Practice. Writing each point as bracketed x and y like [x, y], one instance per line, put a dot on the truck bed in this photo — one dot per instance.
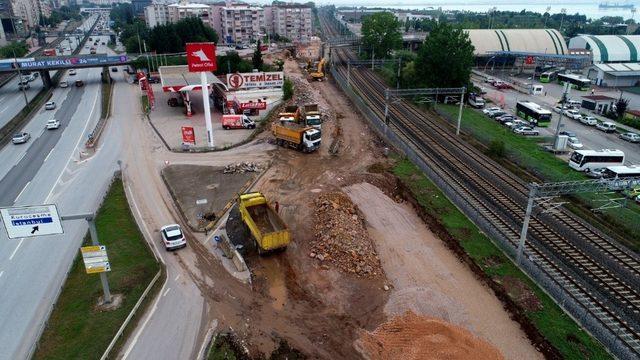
[266, 220]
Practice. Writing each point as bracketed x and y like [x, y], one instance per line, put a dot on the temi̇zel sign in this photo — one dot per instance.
[95, 259]
[201, 57]
[255, 79]
[29, 221]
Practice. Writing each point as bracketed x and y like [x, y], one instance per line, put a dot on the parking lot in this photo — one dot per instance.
[589, 136]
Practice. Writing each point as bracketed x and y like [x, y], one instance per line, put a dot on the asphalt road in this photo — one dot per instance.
[590, 137]
[47, 170]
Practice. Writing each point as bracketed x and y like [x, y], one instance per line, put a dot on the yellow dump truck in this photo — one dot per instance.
[300, 137]
[266, 227]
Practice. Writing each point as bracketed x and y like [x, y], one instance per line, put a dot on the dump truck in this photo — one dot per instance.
[267, 228]
[300, 137]
[312, 116]
[291, 113]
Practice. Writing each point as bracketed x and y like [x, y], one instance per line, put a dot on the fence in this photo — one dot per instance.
[543, 277]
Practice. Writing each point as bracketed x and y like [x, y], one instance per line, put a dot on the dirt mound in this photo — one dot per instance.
[411, 337]
[342, 238]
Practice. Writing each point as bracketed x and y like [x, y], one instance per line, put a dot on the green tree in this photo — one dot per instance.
[446, 58]
[287, 89]
[257, 58]
[16, 48]
[381, 33]
[621, 107]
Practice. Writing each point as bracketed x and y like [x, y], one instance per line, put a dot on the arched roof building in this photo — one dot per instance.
[540, 41]
[609, 48]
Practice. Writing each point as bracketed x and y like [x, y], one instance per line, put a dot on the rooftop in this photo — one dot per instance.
[598, 97]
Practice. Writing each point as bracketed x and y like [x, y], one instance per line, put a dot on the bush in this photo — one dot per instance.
[287, 89]
[496, 149]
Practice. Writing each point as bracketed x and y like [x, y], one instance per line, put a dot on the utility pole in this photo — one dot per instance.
[464, 90]
[398, 76]
[525, 224]
[564, 12]
[562, 102]
[24, 91]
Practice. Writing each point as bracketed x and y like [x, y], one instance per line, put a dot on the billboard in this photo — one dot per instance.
[70, 62]
[201, 57]
[255, 80]
[188, 135]
[259, 105]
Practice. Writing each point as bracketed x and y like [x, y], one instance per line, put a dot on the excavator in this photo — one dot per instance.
[318, 75]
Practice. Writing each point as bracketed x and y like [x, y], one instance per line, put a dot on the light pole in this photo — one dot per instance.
[548, 16]
[633, 13]
[22, 84]
[564, 12]
[492, 12]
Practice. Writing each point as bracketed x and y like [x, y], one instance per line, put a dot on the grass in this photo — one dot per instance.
[558, 328]
[144, 101]
[527, 153]
[106, 99]
[76, 329]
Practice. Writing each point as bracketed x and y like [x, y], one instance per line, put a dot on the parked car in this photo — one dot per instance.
[63, 84]
[560, 108]
[588, 120]
[486, 111]
[50, 105]
[505, 118]
[574, 143]
[517, 123]
[495, 114]
[574, 103]
[572, 114]
[595, 173]
[20, 138]
[606, 126]
[53, 124]
[526, 130]
[72, 72]
[172, 237]
[567, 133]
[153, 80]
[630, 137]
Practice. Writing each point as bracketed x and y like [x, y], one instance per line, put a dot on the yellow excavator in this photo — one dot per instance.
[318, 75]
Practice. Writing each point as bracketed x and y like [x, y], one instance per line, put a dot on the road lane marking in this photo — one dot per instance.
[144, 224]
[21, 191]
[1, 273]
[21, 157]
[74, 148]
[47, 157]
[5, 109]
[166, 292]
[16, 249]
[177, 277]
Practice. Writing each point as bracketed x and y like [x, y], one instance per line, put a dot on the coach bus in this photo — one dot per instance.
[533, 113]
[583, 160]
[621, 172]
[576, 81]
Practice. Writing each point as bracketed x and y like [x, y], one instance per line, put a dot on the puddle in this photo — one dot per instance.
[275, 282]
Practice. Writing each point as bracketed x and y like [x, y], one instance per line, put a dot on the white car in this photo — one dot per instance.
[491, 109]
[526, 130]
[20, 138]
[63, 84]
[50, 105]
[589, 120]
[172, 237]
[572, 114]
[72, 72]
[574, 143]
[53, 124]
[630, 137]
[606, 127]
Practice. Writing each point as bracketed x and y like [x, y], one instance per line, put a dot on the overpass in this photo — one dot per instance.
[63, 62]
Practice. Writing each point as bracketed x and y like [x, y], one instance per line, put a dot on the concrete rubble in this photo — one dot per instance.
[341, 238]
[243, 167]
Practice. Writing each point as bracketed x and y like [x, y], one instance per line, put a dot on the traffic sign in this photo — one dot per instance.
[29, 221]
[95, 259]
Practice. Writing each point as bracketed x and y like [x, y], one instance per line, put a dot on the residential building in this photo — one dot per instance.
[293, 21]
[183, 10]
[139, 6]
[45, 8]
[242, 24]
[156, 14]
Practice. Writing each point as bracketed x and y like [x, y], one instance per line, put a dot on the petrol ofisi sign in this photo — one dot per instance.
[201, 57]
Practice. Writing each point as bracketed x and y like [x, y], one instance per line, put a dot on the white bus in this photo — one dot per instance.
[583, 160]
[621, 172]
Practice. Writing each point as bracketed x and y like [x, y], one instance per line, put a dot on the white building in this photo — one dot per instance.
[156, 14]
[162, 14]
[293, 21]
[241, 24]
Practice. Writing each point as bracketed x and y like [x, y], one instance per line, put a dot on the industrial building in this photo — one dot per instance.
[614, 57]
[536, 41]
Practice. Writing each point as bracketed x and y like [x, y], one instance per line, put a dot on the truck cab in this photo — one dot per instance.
[312, 116]
[312, 138]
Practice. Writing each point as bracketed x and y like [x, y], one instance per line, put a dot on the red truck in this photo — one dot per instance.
[237, 122]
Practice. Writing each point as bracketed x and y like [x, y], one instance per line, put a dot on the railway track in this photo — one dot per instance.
[593, 269]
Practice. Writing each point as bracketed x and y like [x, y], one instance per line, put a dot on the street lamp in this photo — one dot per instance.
[633, 13]
[491, 12]
[564, 12]
[548, 16]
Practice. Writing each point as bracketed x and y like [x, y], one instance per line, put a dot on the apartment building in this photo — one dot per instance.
[239, 22]
[293, 21]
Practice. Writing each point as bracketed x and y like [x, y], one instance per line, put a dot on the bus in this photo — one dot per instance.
[540, 69]
[584, 160]
[621, 172]
[534, 113]
[577, 82]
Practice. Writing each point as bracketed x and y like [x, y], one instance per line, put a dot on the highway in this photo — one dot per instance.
[47, 170]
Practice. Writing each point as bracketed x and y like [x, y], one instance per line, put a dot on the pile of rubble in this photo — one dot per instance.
[341, 237]
[305, 95]
[243, 167]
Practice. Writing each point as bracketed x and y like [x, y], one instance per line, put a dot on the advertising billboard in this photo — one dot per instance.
[255, 80]
[201, 57]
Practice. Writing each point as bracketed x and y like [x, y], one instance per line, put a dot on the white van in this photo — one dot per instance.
[606, 126]
[536, 90]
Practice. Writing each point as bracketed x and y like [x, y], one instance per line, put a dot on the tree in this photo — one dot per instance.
[621, 107]
[381, 33]
[257, 58]
[446, 58]
[287, 89]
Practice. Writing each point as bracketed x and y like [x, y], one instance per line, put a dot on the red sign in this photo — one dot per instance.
[188, 135]
[529, 60]
[236, 80]
[201, 57]
[254, 105]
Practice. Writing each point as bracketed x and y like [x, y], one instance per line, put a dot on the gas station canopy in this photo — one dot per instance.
[178, 79]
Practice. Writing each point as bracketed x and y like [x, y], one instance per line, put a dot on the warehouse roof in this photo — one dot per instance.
[547, 41]
[620, 69]
[609, 48]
